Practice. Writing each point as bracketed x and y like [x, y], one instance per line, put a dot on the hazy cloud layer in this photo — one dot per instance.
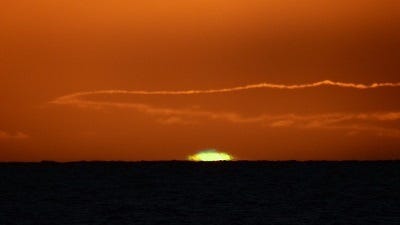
[13, 136]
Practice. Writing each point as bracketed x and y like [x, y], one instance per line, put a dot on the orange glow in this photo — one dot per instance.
[150, 80]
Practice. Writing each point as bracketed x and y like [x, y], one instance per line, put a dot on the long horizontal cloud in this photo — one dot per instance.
[74, 97]
[355, 122]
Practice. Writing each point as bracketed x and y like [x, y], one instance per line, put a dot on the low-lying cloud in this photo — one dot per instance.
[351, 122]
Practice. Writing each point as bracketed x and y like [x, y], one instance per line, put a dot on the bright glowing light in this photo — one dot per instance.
[210, 155]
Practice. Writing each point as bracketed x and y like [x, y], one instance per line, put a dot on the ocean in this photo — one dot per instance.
[179, 192]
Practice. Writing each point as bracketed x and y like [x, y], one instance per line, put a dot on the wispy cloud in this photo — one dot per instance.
[351, 122]
[75, 97]
[13, 136]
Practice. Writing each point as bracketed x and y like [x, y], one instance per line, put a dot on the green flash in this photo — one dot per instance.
[210, 156]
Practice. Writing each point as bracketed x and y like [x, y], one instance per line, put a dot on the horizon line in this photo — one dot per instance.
[194, 162]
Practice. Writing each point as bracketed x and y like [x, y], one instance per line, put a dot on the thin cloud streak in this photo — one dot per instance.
[74, 97]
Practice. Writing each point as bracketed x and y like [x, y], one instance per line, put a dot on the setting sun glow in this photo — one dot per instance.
[210, 155]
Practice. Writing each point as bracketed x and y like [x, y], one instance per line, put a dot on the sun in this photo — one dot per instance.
[210, 155]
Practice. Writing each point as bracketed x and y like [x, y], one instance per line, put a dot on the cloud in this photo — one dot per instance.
[75, 97]
[175, 120]
[16, 136]
[351, 122]
[282, 123]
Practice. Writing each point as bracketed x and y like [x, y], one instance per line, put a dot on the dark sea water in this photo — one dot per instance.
[200, 193]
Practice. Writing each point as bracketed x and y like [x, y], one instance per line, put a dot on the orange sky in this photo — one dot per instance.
[151, 53]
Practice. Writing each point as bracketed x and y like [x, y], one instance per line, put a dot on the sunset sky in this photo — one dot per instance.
[161, 80]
